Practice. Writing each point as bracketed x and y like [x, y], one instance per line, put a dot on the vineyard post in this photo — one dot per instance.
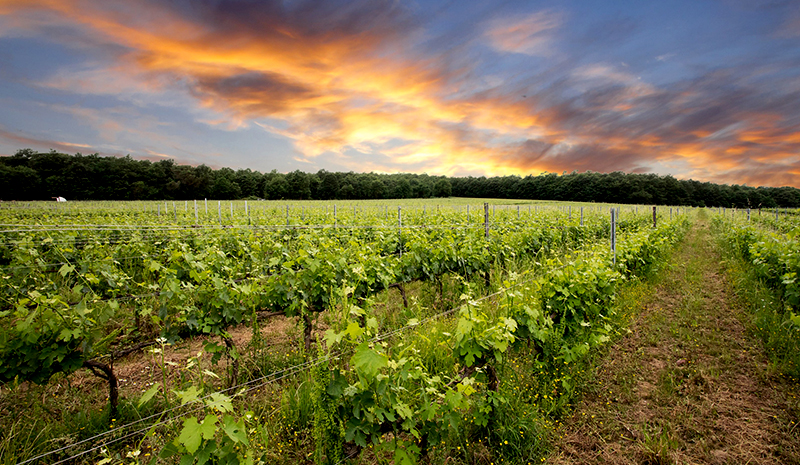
[776, 213]
[517, 211]
[486, 220]
[581, 216]
[287, 214]
[670, 213]
[206, 203]
[569, 213]
[493, 208]
[231, 212]
[748, 214]
[654, 217]
[219, 210]
[614, 236]
[247, 211]
[195, 212]
[400, 228]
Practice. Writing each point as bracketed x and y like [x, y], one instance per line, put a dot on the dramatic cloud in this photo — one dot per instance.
[376, 85]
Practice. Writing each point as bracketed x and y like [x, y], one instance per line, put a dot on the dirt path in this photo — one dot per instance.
[687, 385]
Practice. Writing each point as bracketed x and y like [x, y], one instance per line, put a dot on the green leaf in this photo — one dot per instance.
[402, 457]
[235, 430]
[219, 402]
[148, 395]
[337, 385]
[65, 270]
[190, 436]
[354, 331]
[189, 395]
[368, 362]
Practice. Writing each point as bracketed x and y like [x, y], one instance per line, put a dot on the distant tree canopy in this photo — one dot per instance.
[28, 175]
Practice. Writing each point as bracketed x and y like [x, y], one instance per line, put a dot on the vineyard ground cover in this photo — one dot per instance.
[71, 394]
[690, 383]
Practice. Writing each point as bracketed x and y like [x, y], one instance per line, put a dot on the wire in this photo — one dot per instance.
[284, 374]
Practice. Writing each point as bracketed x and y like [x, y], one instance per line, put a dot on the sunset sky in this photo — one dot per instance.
[708, 90]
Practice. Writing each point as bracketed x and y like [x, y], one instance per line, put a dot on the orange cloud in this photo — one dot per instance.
[348, 79]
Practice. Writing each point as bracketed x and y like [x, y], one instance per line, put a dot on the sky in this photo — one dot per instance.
[704, 90]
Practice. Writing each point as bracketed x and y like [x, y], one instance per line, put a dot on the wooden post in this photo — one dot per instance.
[655, 224]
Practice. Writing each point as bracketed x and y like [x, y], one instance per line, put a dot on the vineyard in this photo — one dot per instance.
[313, 332]
[769, 244]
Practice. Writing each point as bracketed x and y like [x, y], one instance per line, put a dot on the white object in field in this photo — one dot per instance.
[60, 199]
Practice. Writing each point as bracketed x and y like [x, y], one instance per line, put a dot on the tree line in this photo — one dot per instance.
[30, 175]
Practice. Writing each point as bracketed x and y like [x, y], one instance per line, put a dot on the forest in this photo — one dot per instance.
[31, 175]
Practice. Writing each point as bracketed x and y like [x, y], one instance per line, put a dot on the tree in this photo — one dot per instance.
[276, 187]
[442, 188]
[299, 185]
[402, 190]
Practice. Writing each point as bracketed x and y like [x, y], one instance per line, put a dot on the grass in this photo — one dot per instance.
[687, 385]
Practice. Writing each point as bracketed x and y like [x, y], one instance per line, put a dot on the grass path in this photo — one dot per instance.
[688, 384]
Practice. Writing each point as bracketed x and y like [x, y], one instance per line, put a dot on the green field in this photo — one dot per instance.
[435, 331]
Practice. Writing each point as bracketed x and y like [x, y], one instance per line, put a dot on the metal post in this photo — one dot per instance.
[400, 228]
[486, 220]
[219, 210]
[581, 216]
[614, 236]
[195, 211]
